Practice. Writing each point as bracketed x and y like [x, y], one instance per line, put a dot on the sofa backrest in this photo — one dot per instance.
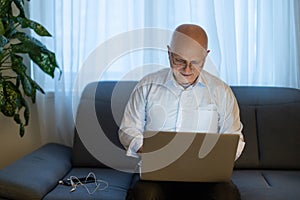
[270, 117]
[108, 101]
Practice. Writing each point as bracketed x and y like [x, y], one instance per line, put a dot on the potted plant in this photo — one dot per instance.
[16, 46]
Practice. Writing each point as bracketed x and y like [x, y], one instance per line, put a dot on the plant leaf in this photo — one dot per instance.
[29, 85]
[2, 98]
[18, 121]
[28, 40]
[17, 64]
[18, 82]
[26, 111]
[44, 58]
[17, 118]
[9, 26]
[27, 23]
[25, 48]
[2, 29]
[3, 41]
[38, 52]
[22, 130]
[46, 61]
[5, 7]
[28, 90]
[34, 84]
[11, 100]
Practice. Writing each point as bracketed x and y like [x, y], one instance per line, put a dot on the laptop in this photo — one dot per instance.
[186, 156]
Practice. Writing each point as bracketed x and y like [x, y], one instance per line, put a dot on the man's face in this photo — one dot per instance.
[186, 60]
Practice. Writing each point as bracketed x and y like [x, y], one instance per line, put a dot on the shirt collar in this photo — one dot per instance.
[170, 80]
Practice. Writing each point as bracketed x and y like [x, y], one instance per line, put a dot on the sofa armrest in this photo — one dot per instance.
[34, 175]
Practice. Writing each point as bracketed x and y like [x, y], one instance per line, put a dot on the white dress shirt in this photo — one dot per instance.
[158, 102]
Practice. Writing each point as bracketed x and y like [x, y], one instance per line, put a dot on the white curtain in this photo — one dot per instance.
[252, 42]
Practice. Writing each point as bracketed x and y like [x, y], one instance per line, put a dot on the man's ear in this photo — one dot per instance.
[169, 50]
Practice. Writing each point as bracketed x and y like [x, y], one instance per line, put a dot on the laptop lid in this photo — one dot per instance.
[186, 156]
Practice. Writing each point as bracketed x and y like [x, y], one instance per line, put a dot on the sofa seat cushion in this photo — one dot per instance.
[267, 184]
[32, 176]
[118, 184]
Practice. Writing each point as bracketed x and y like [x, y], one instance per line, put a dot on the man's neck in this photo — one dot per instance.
[186, 85]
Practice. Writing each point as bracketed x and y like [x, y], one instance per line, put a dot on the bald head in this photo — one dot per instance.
[193, 32]
[187, 53]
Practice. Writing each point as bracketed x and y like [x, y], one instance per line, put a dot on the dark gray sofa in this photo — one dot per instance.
[269, 167]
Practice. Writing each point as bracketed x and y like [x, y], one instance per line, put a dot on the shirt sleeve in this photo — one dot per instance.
[133, 122]
[230, 118]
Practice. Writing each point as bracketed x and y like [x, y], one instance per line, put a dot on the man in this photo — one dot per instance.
[182, 98]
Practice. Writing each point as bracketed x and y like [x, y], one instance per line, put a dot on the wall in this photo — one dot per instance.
[12, 146]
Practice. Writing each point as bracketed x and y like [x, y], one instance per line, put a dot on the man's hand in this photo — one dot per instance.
[140, 150]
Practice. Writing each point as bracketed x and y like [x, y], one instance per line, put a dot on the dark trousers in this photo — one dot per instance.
[157, 190]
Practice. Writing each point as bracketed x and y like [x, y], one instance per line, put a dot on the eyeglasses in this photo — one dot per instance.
[180, 63]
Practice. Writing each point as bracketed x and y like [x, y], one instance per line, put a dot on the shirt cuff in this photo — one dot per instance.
[240, 149]
[134, 146]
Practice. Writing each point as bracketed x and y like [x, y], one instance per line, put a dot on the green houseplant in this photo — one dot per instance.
[15, 45]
